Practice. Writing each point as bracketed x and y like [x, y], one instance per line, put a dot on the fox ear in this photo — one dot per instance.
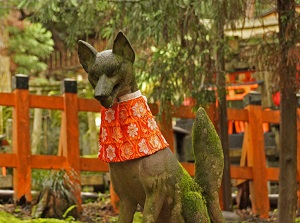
[123, 48]
[86, 53]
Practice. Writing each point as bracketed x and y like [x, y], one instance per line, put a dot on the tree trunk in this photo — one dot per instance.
[287, 203]
[37, 128]
[222, 111]
[93, 134]
[5, 75]
[250, 10]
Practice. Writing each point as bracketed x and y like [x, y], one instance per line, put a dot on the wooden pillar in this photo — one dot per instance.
[298, 155]
[70, 134]
[114, 199]
[166, 127]
[256, 158]
[21, 139]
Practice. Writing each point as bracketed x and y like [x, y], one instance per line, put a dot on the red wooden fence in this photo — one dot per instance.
[253, 160]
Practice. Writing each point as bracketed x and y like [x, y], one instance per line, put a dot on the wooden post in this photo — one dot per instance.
[166, 127]
[298, 155]
[70, 134]
[21, 139]
[256, 159]
[114, 199]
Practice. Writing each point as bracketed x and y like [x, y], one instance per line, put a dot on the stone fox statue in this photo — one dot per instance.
[143, 169]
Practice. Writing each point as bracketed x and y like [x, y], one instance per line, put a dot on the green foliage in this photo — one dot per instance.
[30, 47]
[182, 65]
[6, 217]
[66, 215]
[38, 178]
[183, 34]
[72, 18]
[7, 114]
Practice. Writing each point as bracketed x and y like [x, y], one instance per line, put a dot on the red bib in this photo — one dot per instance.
[128, 130]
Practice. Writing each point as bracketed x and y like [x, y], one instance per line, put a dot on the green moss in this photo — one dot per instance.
[194, 208]
[186, 183]
[193, 203]
[6, 217]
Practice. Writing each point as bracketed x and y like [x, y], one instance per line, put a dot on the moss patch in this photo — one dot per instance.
[193, 203]
[6, 217]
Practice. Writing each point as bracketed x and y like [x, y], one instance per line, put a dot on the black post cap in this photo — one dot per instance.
[253, 98]
[68, 86]
[20, 81]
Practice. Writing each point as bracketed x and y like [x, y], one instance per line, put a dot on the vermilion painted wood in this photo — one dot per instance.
[190, 168]
[71, 131]
[165, 125]
[8, 160]
[46, 102]
[243, 159]
[93, 164]
[271, 116]
[237, 114]
[7, 99]
[256, 159]
[21, 145]
[154, 108]
[272, 174]
[48, 162]
[70, 144]
[238, 172]
[88, 105]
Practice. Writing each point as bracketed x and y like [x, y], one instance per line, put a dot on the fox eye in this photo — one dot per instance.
[93, 78]
[110, 72]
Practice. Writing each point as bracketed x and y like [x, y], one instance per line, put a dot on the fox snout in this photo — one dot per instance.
[103, 87]
[106, 91]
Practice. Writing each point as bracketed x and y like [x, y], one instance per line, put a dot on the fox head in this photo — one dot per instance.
[110, 72]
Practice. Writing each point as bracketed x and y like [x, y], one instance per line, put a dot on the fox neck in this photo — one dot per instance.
[130, 88]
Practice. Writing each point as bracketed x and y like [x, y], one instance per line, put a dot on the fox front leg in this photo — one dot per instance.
[127, 210]
[155, 197]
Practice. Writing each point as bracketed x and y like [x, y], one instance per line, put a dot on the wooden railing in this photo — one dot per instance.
[252, 165]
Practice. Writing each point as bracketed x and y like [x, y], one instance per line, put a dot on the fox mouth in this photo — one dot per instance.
[108, 101]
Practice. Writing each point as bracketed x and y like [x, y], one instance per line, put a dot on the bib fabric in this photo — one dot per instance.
[128, 130]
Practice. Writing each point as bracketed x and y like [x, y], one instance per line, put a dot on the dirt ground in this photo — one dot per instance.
[102, 212]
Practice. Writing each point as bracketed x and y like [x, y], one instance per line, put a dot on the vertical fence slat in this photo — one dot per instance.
[21, 139]
[166, 127]
[70, 133]
[256, 159]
